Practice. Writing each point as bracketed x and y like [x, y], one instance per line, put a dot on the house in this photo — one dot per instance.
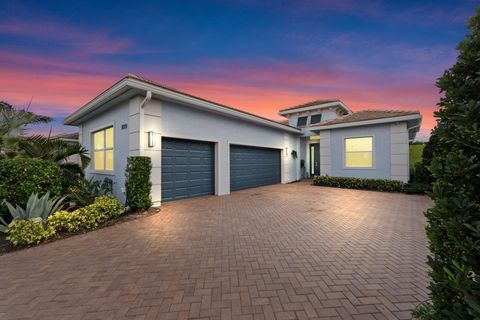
[199, 147]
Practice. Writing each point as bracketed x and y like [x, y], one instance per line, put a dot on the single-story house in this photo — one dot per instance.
[199, 147]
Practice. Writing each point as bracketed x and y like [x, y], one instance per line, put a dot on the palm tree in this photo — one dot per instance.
[12, 126]
[54, 149]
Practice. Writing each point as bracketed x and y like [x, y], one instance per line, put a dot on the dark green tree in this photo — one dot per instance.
[453, 228]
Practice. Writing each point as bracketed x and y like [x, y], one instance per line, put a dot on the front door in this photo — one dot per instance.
[315, 159]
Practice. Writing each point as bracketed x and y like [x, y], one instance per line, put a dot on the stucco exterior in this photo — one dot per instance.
[174, 120]
[115, 117]
[137, 108]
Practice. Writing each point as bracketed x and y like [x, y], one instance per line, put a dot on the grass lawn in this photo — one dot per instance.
[415, 154]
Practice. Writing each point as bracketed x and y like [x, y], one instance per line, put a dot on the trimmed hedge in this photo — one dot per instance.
[138, 185]
[360, 183]
[20, 177]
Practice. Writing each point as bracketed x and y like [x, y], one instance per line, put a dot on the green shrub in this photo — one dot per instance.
[28, 232]
[84, 191]
[90, 217]
[417, 188]
[70, 221]
[138, 185]
[453, 228]
[19, 178]
[359, 183]
[105, 208]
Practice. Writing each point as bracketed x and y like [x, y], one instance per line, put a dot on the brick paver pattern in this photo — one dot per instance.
[278, 252]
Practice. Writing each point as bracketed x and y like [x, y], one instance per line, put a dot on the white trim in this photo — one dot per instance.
[344, 153]
[92, 150]
[127, 83]
[317, 106]
[366, 122]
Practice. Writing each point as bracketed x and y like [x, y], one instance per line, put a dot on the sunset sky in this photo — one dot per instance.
[259, 56]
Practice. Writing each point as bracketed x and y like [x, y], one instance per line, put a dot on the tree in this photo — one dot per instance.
[12, 126]
[453, 226]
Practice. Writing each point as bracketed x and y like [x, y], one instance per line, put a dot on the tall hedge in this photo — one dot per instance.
[138, 185]
[19, 177]
[453, 226]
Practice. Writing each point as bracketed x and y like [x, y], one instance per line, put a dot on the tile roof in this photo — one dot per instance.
[366, 115]
[67, 135]
[311, 103]
[137, 77]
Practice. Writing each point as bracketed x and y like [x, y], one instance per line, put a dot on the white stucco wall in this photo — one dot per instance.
[116, 117]
[381, 151]
[169, 119]
[179, 121]
[399, 152]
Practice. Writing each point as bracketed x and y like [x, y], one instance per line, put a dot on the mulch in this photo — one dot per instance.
[6, 246]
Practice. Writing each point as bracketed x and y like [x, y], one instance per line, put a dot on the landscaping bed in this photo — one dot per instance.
[6, 246]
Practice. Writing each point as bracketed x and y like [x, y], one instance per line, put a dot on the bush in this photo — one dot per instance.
[19, 178]
[90, 217]
[417, 188]
[138, 185]
[28, 232]
[359, 183]
[69, 221]
[453, 228]
[83, 192]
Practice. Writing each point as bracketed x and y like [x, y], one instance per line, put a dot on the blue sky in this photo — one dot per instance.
[258, 56]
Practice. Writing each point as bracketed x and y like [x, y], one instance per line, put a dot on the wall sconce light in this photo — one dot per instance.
[151, 139]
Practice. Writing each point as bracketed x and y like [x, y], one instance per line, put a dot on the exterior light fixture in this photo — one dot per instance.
[151, 139]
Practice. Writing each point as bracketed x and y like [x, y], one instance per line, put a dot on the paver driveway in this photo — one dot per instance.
[285, 251]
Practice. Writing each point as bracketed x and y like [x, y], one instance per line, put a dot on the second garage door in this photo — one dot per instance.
[253, 167]
[188, 168]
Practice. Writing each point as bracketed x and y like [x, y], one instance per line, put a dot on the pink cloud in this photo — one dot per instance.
[59, 87]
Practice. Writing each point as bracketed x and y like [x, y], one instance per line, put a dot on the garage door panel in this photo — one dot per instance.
[187, 168]
[253, 167]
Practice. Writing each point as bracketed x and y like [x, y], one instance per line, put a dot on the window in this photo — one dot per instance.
[316, 118]
[103, 149]
[359, 152]
[302, 121]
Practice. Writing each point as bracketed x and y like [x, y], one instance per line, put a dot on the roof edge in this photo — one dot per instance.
[368, 122]
[287, 111]
[135, 82]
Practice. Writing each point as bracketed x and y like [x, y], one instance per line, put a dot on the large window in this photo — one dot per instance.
[103, 149]
[359, 152]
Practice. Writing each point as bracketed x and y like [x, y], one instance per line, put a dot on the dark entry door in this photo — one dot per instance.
[253, 167]
[315, 159]
[188, 169]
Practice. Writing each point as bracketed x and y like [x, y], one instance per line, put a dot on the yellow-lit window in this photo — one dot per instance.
[103, 149]
[359, 152]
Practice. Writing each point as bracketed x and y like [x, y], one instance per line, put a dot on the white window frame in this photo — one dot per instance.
[344, 153]
[92, 139]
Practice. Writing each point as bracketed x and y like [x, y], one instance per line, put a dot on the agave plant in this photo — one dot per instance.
[38, 208]
[3, 225]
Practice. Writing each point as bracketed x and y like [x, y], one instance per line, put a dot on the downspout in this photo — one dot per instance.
[148, 97]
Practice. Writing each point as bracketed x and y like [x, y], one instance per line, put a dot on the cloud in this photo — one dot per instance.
[80, 41]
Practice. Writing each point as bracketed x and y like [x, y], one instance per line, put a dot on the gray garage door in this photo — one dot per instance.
[187, 169]
[253, 167]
